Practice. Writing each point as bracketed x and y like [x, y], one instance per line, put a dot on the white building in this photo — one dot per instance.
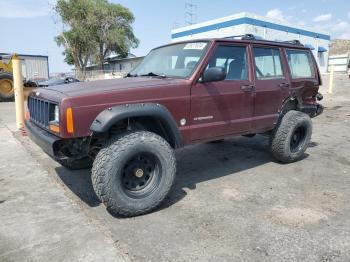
[34, 67]
[263, 27]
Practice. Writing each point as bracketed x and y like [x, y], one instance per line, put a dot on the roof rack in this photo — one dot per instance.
[259, 38]
[244, 37]
[293, 42]
[249, 37]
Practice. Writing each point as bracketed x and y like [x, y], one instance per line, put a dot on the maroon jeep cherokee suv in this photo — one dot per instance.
[182, 93]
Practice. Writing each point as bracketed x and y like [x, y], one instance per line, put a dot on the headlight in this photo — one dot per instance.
[57, 114]
[54, 124]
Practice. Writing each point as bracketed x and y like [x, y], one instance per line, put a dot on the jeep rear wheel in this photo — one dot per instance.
[291, 137]
[134, 172]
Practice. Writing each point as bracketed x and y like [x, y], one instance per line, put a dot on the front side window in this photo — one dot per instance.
[268, 63]
[178, 60]
[300, 64]
[233, 59]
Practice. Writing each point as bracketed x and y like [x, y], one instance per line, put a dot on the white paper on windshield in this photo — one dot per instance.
[195, 46]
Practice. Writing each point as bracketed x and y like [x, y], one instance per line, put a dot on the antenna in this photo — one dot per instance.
[176, 25]
[190, 13]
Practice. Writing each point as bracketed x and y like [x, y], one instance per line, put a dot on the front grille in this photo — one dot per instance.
[41, 111]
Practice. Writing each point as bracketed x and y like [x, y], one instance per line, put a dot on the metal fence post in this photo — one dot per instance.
[331, 77]
[18, 88]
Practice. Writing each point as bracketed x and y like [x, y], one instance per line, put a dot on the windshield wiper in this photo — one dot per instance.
[154, 74]
[131, 75]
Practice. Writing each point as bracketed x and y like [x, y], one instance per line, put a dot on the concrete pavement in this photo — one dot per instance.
[38, 221]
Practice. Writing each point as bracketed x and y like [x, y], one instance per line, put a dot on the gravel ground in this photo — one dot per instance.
[233, 202]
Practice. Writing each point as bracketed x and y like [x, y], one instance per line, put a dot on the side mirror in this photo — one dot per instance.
[214, 74]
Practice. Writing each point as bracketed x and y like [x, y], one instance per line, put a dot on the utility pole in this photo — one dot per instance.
[190, 13]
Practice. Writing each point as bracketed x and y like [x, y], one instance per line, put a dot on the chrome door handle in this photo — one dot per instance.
[247, 88]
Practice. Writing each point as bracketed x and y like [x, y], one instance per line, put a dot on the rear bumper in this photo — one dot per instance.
[312, 110]
[46, 141]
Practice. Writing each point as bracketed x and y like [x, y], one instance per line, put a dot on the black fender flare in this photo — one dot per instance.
[286, 106]
[110, 116]
[287, 102]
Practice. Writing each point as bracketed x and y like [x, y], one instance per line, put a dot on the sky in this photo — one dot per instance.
[29, 26]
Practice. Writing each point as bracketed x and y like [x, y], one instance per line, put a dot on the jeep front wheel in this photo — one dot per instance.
[291, 137]
[134, 172]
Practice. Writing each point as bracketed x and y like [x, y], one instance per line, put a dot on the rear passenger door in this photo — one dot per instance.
[271, 86]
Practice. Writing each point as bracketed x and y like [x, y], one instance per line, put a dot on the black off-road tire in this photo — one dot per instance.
[7, 97]
[291, 137]
[76, 164]
[110, 170]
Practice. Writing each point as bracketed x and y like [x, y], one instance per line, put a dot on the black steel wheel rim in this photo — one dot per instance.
[141, 175]
[298, 139]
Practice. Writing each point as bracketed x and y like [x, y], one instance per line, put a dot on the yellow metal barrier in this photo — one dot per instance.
[18, 88]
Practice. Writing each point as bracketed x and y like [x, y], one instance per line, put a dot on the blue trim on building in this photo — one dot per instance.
[250, 21]
[322, 49]
[311, 47]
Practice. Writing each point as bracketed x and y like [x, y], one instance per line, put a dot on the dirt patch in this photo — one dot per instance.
[233, 194]
[342, 160]
[334, 108]
[331, 256]
[296, 216]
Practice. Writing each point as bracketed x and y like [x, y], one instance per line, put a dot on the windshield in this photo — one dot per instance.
[179, 60]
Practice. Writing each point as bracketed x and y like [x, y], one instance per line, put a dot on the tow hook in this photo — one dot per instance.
[319, 96]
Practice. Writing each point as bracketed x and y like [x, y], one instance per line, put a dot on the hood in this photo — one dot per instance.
[88, 88]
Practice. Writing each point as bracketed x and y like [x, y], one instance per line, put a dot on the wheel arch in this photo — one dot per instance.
[154, 117]
[290, 103]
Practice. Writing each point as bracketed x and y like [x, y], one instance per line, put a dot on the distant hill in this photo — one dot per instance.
[339, 47]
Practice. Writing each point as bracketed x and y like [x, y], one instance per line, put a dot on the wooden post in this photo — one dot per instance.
[331, 77]
[18, 86]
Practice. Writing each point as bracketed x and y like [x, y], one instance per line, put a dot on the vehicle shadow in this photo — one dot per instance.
[195, 164]
[204, 162]
[79, 182]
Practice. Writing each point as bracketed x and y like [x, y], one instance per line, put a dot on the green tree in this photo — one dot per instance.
[114, 32]
[93, 29]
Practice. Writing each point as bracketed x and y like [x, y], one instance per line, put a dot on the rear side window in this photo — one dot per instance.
[268, 63]
[300, 64]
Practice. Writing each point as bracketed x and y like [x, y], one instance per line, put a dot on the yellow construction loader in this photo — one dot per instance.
[6, 82]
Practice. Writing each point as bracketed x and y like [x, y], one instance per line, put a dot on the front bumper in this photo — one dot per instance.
[312, 110]
[45, 140]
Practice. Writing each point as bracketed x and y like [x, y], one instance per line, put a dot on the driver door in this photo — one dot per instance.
[224, 107]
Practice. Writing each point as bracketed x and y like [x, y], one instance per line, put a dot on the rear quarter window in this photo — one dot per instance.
[300, 64]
